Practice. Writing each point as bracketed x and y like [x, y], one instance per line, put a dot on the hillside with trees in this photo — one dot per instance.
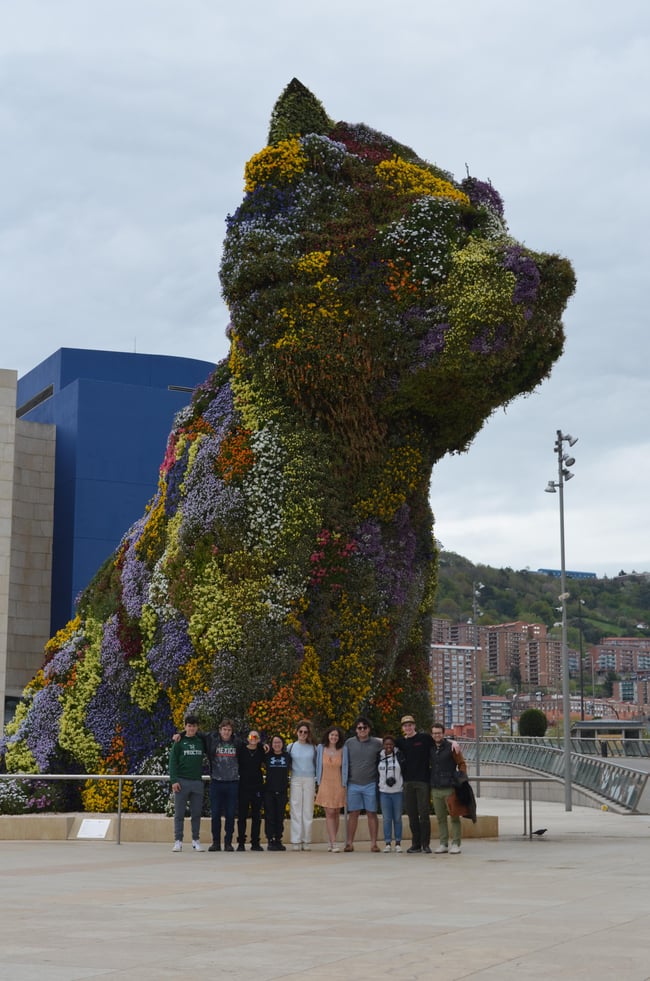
[616, 607]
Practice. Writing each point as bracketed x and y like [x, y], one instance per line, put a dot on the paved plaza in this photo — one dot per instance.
[571, 904]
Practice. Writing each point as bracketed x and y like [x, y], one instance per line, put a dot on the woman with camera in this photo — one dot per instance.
[391, 784]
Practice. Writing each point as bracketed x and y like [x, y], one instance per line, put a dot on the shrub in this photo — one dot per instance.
[532, 722]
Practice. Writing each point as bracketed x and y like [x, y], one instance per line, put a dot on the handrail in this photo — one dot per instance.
[82, 777]
[622, 785]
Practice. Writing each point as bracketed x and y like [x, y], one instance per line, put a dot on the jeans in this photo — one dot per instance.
[223, 801]
[191, 790]
[391, 812]
[439, 796]
[416, 802]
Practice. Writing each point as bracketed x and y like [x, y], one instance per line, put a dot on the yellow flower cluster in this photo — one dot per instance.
[313, 699]
[193, 678]
[400, 477]
[63, 635]
[283, 161]
[313, 263]
[150, 544]
[73, 734]
[145, 689]
[478, 295]
[19, 757]
[407, 178]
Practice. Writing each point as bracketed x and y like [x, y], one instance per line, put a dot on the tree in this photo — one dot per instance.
[532, 722]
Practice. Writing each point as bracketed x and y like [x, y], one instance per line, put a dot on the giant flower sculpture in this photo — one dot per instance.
[286, 566]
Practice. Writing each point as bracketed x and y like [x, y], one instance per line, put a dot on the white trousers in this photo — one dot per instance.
[301, 809]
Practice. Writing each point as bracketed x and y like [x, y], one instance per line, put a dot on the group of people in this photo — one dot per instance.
[361, 773]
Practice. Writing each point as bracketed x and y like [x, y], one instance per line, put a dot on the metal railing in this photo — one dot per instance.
[621, 785]
[81, 778]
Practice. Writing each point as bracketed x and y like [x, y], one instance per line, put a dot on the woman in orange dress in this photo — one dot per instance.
[332, 777]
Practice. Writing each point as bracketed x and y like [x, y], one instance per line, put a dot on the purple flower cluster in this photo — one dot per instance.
[482, 194]
[135, 583]
[143, 732]
[116, 669]
[490, 340]
[174, 480]
[43, 728]
[102, 714]
[172, 651]
[431, 344]
[219, 414]
[63, 660]
[527, 275]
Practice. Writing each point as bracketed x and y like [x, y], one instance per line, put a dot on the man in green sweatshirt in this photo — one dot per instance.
[185, 772]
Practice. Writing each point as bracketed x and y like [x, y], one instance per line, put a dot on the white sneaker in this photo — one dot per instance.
[295, 848]
[197, 846]
[398, 849]
[440, 850]
[306, 847]
[454, 850]
[387, 848]
[178, 846]
[335, 848]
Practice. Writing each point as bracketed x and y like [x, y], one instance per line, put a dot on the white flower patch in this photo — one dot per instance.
[264, 488]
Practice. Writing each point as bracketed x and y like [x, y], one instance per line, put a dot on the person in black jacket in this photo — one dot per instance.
[446, 760]
[251, 791]
[278, 766]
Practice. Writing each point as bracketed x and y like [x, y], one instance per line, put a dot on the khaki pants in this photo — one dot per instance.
[439, 797]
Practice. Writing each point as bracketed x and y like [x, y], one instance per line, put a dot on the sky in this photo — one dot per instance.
[125, 126]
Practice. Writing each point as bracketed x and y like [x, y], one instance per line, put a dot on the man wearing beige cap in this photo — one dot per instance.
[416, 747]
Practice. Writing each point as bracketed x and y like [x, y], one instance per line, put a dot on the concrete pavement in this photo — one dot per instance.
[571, 904]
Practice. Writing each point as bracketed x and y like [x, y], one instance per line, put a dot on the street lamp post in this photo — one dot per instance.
[513, 695]
[564, 461]
[478, 683]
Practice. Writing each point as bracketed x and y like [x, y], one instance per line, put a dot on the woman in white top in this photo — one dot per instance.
[303, 786]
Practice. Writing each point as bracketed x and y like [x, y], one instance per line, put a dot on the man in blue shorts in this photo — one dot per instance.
[363, 752]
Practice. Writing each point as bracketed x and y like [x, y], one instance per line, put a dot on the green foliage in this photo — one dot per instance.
[609, 608]
[296, 112]
[532, 722]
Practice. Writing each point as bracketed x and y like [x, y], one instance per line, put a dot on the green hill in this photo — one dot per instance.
[618, 607]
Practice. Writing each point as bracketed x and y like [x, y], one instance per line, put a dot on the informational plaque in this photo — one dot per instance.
[94, 828]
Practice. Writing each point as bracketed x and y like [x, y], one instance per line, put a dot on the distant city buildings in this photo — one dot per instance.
[526, 658]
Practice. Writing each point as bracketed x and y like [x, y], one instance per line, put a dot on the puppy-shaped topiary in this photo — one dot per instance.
[286, 567]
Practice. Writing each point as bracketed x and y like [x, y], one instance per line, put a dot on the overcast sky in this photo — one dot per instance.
[125, 126]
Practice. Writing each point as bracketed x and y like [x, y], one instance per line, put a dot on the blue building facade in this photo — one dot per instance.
[113, 412]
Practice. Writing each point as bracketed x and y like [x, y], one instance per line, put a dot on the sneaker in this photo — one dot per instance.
[228, 848]
[214, 847]
[413, 850]
[335, 848]
[295, 848]
[241, 847]
[426, 850]
[257, 848]
[387, 846]
[280, 847]
[197, 846]
[441, 849]
[398, 848]
[178, 846]
[455, 849]
[306, 847]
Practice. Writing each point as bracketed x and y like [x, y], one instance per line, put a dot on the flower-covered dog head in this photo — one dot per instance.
[372, 288]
